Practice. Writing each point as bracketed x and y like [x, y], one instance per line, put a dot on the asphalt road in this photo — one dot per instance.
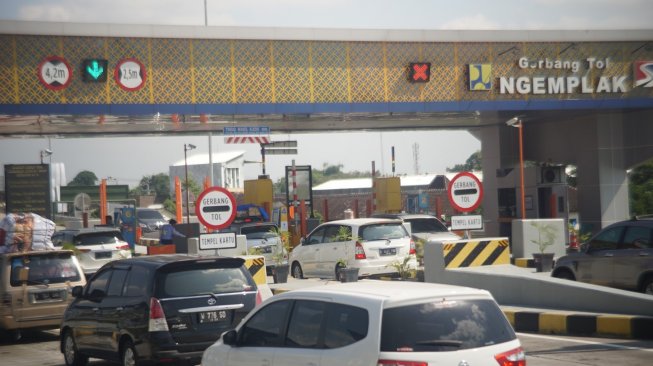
[42, 348]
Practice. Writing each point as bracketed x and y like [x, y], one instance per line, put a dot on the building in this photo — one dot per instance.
[227, 170]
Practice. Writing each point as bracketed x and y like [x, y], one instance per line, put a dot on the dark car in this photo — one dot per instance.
[149, 219]
[156, 309]
[620, 255]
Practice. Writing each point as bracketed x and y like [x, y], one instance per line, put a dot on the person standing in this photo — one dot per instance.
[168, 231]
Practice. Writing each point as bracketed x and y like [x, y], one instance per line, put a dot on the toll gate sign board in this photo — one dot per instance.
[465, 192]
[216, 208]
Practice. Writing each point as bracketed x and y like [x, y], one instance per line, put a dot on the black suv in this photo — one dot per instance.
[156, 309]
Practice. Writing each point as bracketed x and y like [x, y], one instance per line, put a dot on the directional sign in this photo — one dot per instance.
[130, 74]
[280, 151]
[467, 222]
[94, 70]
[280, 144]
[465, 192]
[55, 73]
[216, 208]
[217, 241]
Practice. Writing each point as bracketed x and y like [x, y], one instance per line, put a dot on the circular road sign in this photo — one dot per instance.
[216, 208]
[55, 73]
[465, 192]
[130, 74]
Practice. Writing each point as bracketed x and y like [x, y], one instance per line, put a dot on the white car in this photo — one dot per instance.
[372, 323]
[93, 247]
[373, 246]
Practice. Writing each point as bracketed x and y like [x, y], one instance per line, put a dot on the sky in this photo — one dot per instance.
[126, 160]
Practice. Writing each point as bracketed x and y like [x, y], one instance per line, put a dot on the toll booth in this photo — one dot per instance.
[125, 218]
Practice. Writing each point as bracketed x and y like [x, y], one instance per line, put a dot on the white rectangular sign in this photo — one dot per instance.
[467, 222]
[217, 241]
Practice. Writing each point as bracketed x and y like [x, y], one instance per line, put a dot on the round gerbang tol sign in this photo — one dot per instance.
[465, 192]
[216, 208]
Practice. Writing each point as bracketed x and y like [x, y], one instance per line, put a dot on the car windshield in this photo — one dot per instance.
[98, 238]
[426, 225]
[149, 215]
[444, 325]
[44, 269]
[382, 231]
[202, 281]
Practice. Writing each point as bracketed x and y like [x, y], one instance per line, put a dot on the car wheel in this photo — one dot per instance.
[297, 271]
[128, 354]
[70, 353]
[564, 274]
[647, 285]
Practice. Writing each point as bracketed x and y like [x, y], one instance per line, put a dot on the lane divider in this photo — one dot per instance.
[474, 253]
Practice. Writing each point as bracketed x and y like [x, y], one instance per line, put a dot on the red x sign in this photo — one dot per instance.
[419, 71]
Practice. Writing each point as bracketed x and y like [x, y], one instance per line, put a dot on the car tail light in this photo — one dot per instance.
[157, 321]
[359, 252]
[259, 298]
[400, 363]
[84, 250]
[123, 247]
[515, 357]
[412, 247]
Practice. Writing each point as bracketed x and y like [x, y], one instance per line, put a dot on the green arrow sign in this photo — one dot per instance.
[94, 70]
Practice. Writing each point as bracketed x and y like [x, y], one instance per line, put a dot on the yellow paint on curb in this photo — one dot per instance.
[521, 262]
[619, 325]
[553, 323]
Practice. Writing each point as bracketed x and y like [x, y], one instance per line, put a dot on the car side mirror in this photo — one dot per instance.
[302, 240]
[77, 291]
[230, 337]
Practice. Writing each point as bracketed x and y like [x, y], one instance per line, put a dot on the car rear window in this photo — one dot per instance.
[259, 232]
[149, 215]
[382, 231]
[426, 225]
[192, 281]
[446, 325]
[44, 269]
[97, 238]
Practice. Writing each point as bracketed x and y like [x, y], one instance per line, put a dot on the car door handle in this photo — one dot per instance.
[120, 308]
[643, 254]
[608, 255]
[96, 309]
[265, 362]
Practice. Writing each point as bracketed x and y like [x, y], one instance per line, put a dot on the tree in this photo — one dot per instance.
[474, 162]
[641, 189]
[84, 178]
[158, 184]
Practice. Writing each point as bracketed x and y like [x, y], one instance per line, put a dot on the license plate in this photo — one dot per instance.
[102, 255]
[388, 251]
[213, 316]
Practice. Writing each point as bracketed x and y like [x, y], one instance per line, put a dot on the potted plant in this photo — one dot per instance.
[344, 273]
[546, 237]
[404, 269]
[280, 257]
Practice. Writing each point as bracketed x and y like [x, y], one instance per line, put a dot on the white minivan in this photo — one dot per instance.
[374, 246]
[382, 323]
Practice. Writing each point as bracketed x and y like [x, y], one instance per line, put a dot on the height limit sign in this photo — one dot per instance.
[216, 208]
[465, 192]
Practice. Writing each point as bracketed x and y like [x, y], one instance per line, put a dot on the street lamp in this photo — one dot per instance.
[516, 122]
[186, 148]
[44, 153]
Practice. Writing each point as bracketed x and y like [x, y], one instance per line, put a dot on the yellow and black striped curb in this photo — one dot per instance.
[256, 267]
[474, 253]
[524, 262]
[577, 324]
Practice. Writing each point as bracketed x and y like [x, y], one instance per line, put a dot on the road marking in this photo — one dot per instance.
[618, 346]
